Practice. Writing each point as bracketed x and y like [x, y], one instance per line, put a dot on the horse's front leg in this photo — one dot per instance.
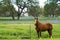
[38, 34]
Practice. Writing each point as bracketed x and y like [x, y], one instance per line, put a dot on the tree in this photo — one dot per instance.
[50, 9]
[24, 4]
[21, 5]
[33, 8]
[57, 12]
[9, 7]
[3, 9]
[34, 11]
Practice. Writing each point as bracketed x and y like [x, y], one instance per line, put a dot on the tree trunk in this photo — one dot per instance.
[12, 15]
[19, 16]
[53, 15]
[19, 13]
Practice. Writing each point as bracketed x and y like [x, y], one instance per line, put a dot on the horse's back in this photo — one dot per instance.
[49, 25]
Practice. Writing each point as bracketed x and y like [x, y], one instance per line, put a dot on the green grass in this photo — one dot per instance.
[22, 31]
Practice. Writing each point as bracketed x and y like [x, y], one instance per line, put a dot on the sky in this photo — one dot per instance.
[41, 3]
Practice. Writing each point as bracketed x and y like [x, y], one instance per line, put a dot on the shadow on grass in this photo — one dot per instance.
[16, 20]
[25, 37]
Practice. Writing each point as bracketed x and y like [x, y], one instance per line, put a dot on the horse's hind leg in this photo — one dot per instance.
[50, 33]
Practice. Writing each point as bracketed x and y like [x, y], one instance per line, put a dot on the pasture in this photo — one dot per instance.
[24, 28]
[25, 31]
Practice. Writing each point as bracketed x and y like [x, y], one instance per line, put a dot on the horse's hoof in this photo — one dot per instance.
[38, 38]
[51, 37]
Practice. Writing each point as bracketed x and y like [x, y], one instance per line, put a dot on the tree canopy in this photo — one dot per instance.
[50, 9]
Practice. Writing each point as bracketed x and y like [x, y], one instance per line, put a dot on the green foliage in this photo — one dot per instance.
[57, 12]
[54, 1]
[7, 9]
[50, 9]
[33, 8]
[33, 2]
[7, 2]
[19, 2]
[34, 11]
[3, 10]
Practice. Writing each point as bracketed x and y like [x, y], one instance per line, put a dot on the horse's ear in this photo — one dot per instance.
[36, 18]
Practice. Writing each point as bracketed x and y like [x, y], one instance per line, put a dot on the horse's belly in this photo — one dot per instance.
[43, 30]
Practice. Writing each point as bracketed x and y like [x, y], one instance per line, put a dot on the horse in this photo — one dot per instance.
[43, 27]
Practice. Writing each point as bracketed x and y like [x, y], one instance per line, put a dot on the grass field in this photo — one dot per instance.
[24, 28]
[25, 32]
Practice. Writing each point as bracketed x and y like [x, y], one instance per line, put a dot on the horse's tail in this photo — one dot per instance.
[50, 26]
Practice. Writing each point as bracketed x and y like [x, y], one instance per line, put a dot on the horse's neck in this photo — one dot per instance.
[38, 23]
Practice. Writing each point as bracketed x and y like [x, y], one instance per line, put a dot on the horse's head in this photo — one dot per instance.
[35, 20]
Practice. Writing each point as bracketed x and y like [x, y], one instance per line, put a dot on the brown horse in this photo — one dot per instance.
[43, 27]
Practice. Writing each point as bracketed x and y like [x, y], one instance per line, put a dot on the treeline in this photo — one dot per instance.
[7, 9]
[32, 8]
[51, 10]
